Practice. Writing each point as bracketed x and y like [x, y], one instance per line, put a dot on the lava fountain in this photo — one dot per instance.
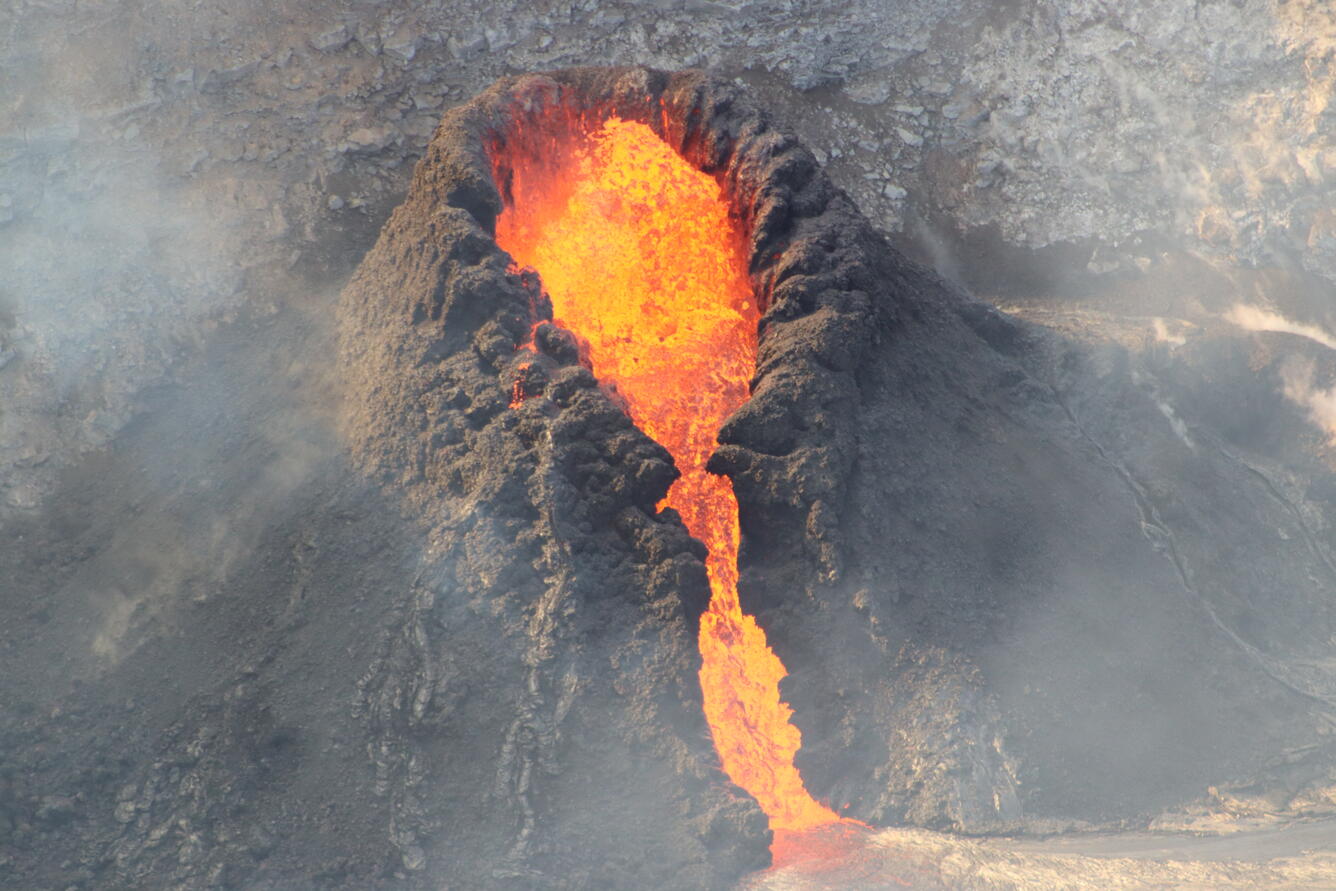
[641, 258]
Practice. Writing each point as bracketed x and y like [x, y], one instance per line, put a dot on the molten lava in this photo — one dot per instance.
[638, 253]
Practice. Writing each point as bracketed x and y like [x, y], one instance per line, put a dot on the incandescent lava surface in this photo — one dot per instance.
[640, 257]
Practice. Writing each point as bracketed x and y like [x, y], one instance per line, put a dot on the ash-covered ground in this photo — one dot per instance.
[206, 614]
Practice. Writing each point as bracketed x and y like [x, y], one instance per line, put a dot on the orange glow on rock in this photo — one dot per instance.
[640, 257]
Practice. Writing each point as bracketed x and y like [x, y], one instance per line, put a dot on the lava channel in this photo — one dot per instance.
[637, 250]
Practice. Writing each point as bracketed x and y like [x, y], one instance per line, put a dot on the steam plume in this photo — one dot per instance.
[1253, 318]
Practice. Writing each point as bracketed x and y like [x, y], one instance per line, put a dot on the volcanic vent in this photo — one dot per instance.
[702, 278]
[501, 405]
[937, 526]
[642, 258]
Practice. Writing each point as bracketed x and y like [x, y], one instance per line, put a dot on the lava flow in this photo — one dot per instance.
[640, 257]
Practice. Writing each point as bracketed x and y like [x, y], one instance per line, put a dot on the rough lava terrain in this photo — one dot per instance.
[225, 660]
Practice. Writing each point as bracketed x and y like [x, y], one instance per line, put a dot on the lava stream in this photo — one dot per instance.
[639, 255]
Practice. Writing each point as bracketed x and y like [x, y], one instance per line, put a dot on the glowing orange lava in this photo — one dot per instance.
[638, 253]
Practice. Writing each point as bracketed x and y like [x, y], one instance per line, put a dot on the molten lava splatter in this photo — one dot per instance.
[519, 391]
[636, 249]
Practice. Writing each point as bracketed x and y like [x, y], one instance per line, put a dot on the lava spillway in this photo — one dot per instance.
[640, 257]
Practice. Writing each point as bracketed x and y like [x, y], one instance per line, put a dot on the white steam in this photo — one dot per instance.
[1253, 318]
[1298, 376]
[1164, 335]
[112, 271]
